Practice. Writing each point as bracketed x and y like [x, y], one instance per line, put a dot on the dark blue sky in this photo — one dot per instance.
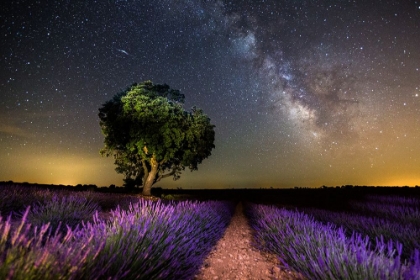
[301, 92]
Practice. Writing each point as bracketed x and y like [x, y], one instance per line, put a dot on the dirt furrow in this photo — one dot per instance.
[235, 258]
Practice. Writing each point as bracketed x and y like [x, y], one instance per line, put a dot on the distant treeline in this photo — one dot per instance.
[78, 187]
[112, 186]
[334, 197]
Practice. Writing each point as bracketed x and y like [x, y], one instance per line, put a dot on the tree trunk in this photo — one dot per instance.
[147, 186]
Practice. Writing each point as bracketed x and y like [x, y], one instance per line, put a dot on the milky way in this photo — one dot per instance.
[315, 84]
[301, 92]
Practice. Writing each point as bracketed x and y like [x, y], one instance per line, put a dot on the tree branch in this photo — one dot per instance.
[166, 175]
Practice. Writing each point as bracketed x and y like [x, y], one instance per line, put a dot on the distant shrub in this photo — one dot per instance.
[168, 196]
[65, 210]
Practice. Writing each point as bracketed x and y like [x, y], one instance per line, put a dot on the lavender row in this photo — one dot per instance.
[407, 234]
[68, 211]
[15, 199]
[170, 245]
[31, 252]
[400, 213]
[394, 200]
[150, 240]
[321, 251]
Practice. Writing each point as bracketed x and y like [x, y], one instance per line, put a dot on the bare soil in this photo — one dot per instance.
[234, 256]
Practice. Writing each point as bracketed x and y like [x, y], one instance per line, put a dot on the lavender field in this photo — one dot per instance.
[378, 238]
[60, 235]
[64, 234]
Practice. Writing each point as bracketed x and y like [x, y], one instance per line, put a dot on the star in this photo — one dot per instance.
[283, 81]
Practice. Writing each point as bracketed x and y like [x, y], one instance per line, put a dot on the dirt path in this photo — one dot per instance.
[235, 258]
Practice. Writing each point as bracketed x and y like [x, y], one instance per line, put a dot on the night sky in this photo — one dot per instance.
[302, 93]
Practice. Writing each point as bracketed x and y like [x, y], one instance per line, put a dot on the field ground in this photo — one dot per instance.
[235, 256]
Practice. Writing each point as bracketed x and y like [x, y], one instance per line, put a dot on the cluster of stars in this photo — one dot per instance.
[303, 92]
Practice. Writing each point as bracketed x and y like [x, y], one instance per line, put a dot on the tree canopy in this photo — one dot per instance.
[151, 136]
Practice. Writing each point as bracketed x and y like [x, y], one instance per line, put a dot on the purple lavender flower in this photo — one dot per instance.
[320, 251]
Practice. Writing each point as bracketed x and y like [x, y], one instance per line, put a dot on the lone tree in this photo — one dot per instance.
[151, 136]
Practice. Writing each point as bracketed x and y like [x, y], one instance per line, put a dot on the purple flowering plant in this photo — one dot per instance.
[320, 251]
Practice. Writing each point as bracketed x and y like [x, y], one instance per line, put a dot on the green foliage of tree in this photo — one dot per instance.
[151, 136]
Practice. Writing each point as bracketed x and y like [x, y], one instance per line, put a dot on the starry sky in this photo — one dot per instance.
[302, 93]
